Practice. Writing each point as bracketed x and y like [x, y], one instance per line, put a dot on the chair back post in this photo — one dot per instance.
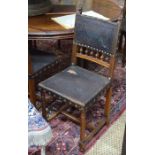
[114, 49]
[80, 4]
[74, 51]
[75, 47]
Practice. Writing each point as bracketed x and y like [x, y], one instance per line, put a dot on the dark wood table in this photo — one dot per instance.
[42, 27]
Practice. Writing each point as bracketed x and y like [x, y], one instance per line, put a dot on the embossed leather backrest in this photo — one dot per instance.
[96, 33]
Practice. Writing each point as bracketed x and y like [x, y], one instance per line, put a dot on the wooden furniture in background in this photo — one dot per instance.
[78, 87]
[41, 66]
[43, 28]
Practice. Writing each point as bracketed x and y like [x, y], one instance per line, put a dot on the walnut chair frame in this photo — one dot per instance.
[94, 38]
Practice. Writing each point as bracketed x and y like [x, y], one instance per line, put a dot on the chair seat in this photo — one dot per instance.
[41, 60]
[76, 84]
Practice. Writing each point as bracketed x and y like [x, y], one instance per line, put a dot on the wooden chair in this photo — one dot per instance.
[77, 87]
[41, 66]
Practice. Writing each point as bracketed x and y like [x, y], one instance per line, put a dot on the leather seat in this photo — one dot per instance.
[40, 60]
[76, 84]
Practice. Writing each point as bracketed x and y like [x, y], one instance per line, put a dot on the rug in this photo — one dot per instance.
[110, 143]
[66, 133]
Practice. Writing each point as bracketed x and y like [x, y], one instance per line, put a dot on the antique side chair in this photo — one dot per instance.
[78, 87]
[42, 65]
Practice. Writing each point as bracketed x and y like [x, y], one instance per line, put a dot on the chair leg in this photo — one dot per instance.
[43, 105]
[82, 127]
[108, 105]
[31, 85]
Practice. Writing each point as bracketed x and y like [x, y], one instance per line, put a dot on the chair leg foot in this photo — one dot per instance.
[82, 148]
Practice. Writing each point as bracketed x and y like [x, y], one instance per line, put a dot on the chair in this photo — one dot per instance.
[41, 66]
[78, 87]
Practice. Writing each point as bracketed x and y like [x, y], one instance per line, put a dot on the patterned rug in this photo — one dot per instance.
[66, 133]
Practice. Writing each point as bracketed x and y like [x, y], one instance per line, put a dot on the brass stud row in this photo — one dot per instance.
[94, 49]
[95, 54]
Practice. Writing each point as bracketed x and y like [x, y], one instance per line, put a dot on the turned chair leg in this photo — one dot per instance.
[31, 85]
[108, 105]
[82, 127]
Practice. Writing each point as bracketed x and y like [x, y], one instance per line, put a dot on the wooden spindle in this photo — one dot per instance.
[91, 53]
[102, 56]
[81, 50]
[97, 55]
[86, 52]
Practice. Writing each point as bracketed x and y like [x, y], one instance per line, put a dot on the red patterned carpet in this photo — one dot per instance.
[66, 133]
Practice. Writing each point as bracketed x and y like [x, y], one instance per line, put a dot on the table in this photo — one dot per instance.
[43, 28]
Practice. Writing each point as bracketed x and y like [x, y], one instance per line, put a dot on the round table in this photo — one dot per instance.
[42, 27]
